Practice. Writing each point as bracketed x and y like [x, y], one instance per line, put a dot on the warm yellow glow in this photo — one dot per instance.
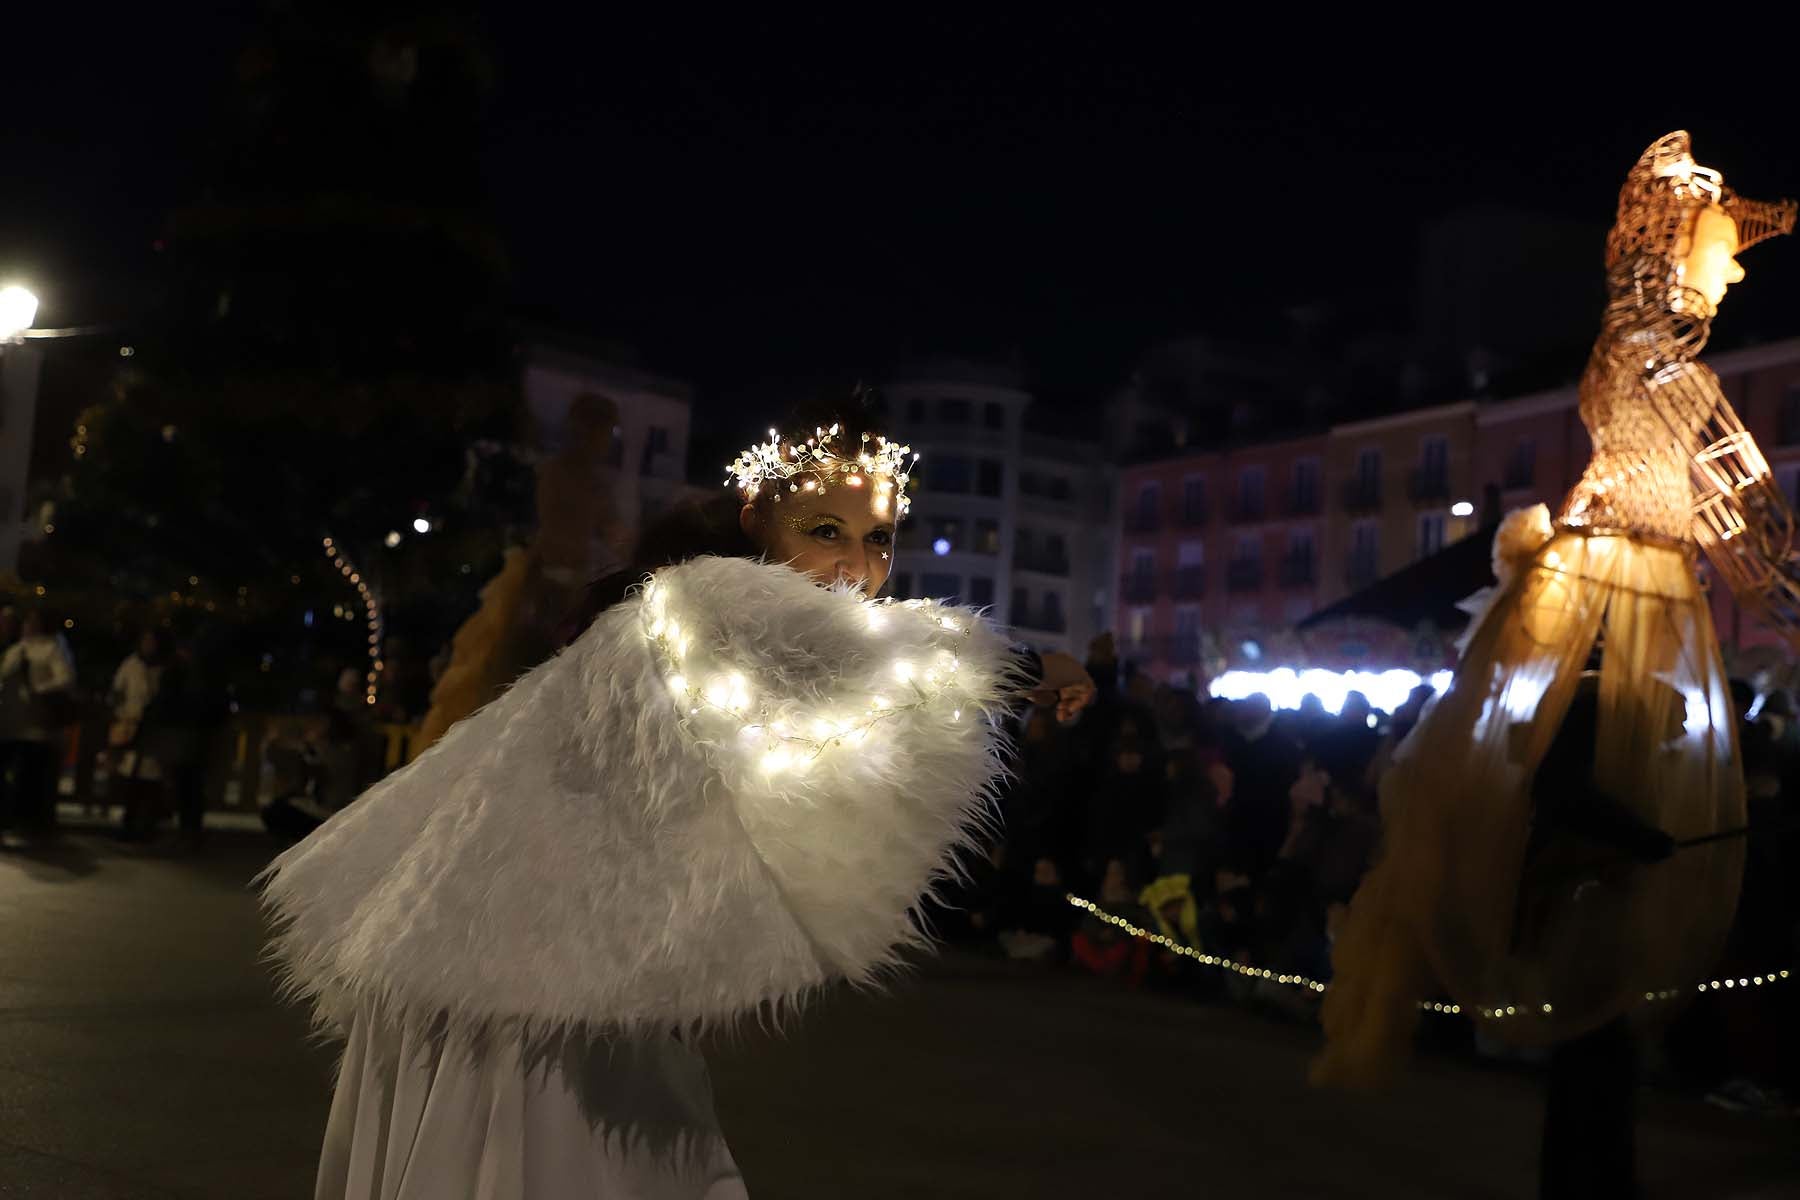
[1707, 263]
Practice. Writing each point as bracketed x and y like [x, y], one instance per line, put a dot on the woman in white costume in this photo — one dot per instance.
[730, 790]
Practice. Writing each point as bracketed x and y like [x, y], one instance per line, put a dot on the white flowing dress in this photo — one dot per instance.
[417, 1118]
[729, 792]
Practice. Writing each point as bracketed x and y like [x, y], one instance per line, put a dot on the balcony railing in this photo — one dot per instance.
[1042, 620]
[1190, 583]
[1297, 502]
[1041, 562]
[1138, 588]
[1244, 575]
[1362, 495]
[1248, 512]
[1429, 485]
[1183, 651]
[1297, 571]
[1192, 516]
[1141, 520]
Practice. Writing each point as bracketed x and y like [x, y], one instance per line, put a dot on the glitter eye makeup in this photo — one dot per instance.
[805, 523]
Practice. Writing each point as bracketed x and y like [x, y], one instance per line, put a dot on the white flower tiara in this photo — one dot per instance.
[879, 465]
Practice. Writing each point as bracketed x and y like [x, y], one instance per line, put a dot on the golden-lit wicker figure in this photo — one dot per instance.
[1542, 939]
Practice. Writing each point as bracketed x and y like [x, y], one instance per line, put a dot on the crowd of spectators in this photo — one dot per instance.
[1243, 832]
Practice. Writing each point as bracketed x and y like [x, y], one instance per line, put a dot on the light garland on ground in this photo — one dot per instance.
[883, 469]
[371, 609]
[792, 741]
[1314, 985]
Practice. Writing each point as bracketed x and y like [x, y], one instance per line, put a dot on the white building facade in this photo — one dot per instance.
[1001, 518]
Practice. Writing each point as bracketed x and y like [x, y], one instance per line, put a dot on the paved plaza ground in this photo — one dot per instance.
[142, 1054]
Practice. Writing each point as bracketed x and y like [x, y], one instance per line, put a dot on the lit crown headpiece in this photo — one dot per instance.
[878, 465]
[1661, 193]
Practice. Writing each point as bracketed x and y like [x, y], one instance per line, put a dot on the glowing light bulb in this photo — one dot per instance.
[421, 525]
[678, 684]
[718, 692]
[903, 670]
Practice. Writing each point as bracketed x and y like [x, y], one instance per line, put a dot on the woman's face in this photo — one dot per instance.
[833, 537]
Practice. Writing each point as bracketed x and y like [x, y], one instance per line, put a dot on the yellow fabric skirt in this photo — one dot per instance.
[1546, 949]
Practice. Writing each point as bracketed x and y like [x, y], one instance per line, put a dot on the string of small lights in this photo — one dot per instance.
[371, 608]
[793, 741]
[1314, 985]
[884, 468]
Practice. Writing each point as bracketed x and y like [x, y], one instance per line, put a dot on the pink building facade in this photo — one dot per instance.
[1221, 552]
[1217, 549]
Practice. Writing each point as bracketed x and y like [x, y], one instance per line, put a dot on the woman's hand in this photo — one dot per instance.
[1066, 684]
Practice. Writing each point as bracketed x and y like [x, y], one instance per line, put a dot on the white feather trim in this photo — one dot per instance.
[590, 855]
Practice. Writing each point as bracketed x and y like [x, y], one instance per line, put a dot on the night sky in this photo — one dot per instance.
[763, 200]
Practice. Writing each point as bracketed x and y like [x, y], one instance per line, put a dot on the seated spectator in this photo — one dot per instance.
[1038, 922]
[1263, 764]
[1193, 816]
[1125, 806]
[1102, 947]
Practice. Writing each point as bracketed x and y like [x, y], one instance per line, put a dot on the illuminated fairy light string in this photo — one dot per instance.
[791, 741]
[377, 625]
[879, 466]
[1314, 985]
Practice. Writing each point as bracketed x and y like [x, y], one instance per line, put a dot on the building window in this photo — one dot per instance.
[1144, 513]
[948, 532]
[1789, 432]
[1368, 467]
[990, 479]
[1060, 489]
[1140, 582]
[656, 444]
[939, 585]
[948, 473]
[951, 411]
[1305, 496]
[1052, 613]
[1021, 606]
[915, 411]
[1137, 629]
[1521, 464]
[981, 591]
[1193, 500]
[1364, 564]
[1244, 572]
[1185, 650]
[1030, 484]
[1434, 454]
[994, 415]
[1250, 494]
[1431, 533]
[987, 537]
[1297, 564]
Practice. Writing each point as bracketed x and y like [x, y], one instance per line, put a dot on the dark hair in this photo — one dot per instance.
[711, 526]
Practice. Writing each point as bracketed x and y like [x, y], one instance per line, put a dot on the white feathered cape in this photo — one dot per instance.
[590, 855]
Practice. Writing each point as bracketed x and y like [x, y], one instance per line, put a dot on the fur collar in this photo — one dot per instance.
[589, 855]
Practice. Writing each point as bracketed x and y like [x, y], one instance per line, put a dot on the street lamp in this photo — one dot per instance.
[18, 309]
